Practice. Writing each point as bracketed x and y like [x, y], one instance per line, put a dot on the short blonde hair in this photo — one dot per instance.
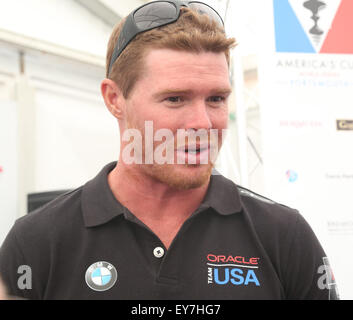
[192, 32]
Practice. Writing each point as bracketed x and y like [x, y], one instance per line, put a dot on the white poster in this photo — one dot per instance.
[8, 167]
[306, 84]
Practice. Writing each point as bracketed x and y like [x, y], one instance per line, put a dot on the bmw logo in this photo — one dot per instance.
[101, 276]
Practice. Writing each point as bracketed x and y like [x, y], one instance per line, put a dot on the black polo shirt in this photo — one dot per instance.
[236, 245]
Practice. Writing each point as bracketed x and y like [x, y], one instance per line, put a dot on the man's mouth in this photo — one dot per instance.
[198, 154]
[194, 149]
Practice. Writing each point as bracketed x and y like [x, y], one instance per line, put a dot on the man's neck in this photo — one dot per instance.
[162, 208]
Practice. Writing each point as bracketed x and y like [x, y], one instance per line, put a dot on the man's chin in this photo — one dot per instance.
[181, 176]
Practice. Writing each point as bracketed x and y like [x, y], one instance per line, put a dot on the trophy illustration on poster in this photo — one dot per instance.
[315, 6]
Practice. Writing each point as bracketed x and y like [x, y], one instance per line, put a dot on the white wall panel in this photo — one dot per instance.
[75, 139]
[75, 134]
[8, 166]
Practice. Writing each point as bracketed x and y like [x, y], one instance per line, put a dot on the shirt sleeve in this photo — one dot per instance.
[11, 263]
[307, 272]
[24, 259]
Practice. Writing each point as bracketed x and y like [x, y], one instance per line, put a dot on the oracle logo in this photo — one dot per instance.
[233, 259]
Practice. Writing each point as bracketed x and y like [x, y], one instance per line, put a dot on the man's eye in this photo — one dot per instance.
[174, 99]
[216, 99]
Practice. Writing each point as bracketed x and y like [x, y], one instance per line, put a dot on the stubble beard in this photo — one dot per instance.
[177, 176]
[180, 176]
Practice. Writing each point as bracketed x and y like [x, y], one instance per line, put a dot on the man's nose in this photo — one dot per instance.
[198, 117]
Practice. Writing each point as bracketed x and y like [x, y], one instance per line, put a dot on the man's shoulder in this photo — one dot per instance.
[274, 222]
[255, 205]
[262, 208]
[61, 211]
[253, 201]
[250, 197]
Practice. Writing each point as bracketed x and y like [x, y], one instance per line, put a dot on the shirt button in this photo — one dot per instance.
[158, 252]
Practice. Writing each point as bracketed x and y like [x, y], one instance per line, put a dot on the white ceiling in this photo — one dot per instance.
[122, 7]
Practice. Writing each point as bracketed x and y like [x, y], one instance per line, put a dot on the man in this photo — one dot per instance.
[160, 223]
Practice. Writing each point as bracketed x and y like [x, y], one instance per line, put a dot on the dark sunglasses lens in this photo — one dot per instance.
[154, 15]
[204, 9]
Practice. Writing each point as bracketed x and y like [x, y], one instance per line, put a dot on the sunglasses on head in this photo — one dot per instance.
[153, 15]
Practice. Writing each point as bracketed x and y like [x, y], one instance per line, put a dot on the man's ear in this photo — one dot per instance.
[113, 98]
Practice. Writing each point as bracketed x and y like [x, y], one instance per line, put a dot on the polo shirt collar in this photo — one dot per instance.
[100, 206]
[222, 195]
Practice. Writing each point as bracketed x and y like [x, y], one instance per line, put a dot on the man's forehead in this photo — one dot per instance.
[169, 65]
[175, 58]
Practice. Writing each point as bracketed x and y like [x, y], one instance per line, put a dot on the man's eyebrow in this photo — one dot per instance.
[177, 92]
[171, 92]
[225, 91]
